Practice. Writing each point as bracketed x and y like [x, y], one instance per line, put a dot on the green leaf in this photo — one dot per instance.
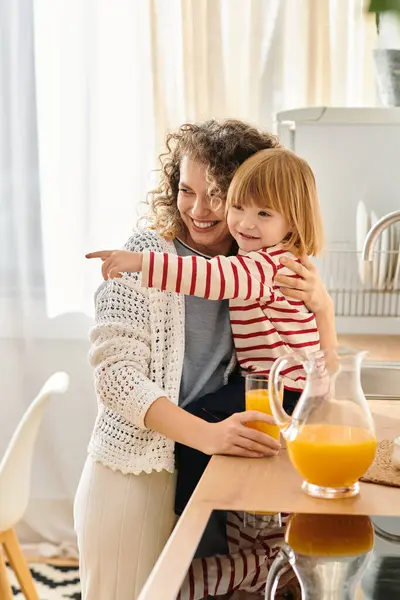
[380, 6]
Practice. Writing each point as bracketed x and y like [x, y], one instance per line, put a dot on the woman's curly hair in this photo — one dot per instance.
[221, 145]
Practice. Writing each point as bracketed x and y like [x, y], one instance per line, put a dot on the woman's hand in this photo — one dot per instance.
[116, 262]
[232, 436]
[309, 288]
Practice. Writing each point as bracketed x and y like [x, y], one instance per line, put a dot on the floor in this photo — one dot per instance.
[56, 581]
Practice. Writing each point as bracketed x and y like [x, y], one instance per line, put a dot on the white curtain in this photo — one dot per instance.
[112, 78]
[88, 89]
[33, 346]
[326, 54]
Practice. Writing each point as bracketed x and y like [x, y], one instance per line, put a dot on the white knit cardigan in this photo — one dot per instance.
[137, 354]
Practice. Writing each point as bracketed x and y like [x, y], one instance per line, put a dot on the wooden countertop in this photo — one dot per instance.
[272, 484]
[380, 347]
[266, 485]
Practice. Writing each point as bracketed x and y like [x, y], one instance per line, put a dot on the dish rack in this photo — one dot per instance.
[361, 289]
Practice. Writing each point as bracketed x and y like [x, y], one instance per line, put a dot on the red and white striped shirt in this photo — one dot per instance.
[265, 324]
[252, 551]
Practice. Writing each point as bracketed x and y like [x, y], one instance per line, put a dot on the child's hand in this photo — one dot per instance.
[116, 262]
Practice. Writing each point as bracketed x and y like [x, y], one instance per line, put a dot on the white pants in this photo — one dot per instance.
[122, 524]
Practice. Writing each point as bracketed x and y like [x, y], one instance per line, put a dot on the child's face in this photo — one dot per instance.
[254, 228]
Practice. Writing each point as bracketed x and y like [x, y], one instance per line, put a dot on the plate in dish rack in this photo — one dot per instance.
[396, 277]
[384, 259]
[376, 256]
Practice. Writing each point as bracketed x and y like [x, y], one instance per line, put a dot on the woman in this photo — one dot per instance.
[154, 353]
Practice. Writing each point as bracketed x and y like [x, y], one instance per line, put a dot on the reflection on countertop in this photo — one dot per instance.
[311, 557]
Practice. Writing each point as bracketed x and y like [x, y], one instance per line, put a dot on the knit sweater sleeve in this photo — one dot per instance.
[121, 343]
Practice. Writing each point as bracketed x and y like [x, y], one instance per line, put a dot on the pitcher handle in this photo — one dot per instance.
[280, 565]
[280, 415]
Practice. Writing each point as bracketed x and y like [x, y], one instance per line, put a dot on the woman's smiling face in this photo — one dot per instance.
[206, 229]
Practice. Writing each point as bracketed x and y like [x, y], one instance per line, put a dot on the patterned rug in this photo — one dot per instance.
[52, 582]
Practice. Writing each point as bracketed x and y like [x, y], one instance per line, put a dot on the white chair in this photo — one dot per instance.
[15, 479]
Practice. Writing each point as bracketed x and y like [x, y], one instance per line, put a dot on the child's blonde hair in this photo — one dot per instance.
[282, 181]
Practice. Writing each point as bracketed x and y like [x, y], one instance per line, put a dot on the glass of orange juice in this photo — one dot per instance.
[257, 398]
[262, 520]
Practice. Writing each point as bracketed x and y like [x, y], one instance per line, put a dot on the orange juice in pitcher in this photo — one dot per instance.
[344, 454]
[329, 535]
[330, 437]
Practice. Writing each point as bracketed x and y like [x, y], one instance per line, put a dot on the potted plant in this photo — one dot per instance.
[387, 54]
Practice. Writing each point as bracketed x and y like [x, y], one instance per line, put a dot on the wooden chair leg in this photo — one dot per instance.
[5, 586]
[19, 565]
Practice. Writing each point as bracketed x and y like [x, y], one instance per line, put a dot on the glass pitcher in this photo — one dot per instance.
[328, 554]
[330, 438]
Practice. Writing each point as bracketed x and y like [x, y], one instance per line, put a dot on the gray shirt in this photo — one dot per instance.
[208, 342]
